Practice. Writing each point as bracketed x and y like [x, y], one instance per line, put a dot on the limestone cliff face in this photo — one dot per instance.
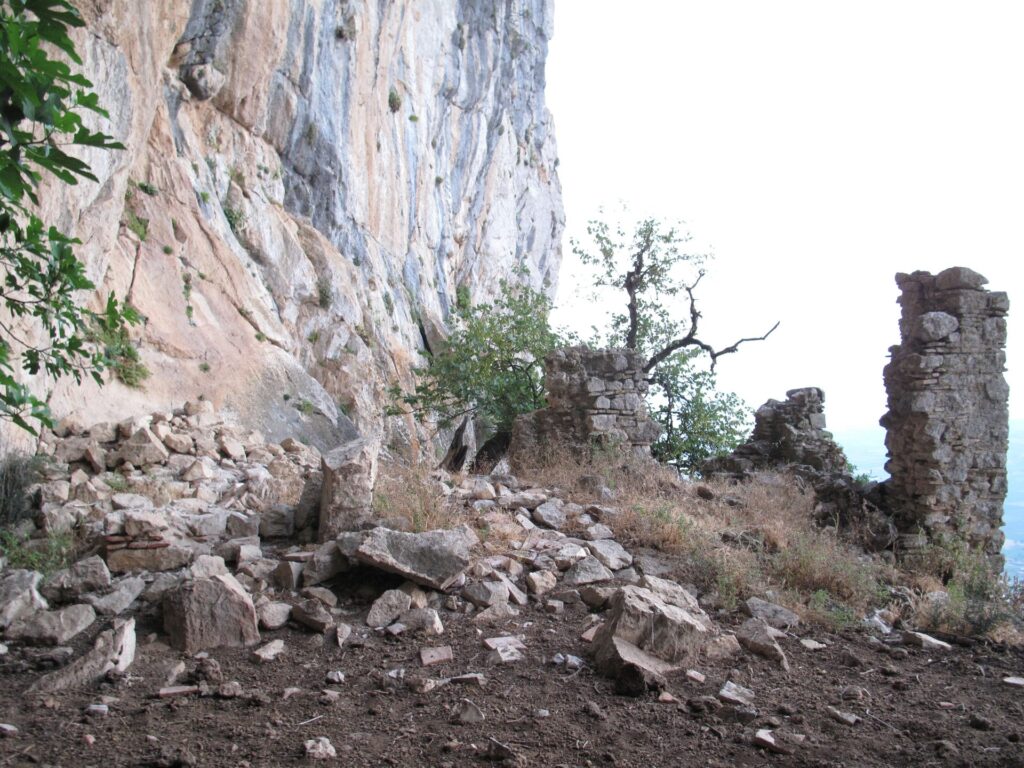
[306, 186]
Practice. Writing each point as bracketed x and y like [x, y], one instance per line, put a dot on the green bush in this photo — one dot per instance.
[323, 292]
[235, 218]
[122, 356]
[491, 365]
[137, 224]
[394, 100]
[44, 555]
[18, 472]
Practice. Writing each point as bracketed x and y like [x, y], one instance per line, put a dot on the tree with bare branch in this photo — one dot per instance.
[661, 321]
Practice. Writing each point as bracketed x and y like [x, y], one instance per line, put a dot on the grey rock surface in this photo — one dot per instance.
[210, 613]
[433, 559]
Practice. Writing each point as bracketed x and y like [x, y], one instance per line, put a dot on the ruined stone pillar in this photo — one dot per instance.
[593, 396]
[948, 419]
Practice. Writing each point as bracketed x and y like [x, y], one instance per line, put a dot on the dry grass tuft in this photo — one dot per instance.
[751, 538]
[407, 496]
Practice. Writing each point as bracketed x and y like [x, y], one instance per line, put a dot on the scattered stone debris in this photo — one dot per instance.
[269, 652]
[320, 749]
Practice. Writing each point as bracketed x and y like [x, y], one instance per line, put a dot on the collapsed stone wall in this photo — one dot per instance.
[786, 433]
[593, 396]
[947, 424]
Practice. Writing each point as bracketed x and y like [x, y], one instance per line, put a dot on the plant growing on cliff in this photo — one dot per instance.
[42, 108]
[491, 365]
[648, 265]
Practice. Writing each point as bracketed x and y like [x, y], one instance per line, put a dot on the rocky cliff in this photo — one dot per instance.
[307, 185]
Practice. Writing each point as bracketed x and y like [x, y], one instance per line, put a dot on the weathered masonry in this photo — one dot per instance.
[948, 419]
[593, 396]
[786, 433]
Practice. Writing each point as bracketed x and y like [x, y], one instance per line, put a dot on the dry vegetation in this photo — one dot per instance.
[408, 497]
[758, 538]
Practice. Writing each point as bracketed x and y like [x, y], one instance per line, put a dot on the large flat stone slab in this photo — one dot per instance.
[434, 558]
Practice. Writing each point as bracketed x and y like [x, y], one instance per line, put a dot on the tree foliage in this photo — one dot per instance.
[491, 365]
[42, 102]
[661, 322]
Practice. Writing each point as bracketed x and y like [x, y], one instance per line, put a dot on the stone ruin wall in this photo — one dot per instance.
[789, 432]
[593, 396]
[947, 424]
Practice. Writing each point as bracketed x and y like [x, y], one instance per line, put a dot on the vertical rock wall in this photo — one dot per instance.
[306, 186]
[947, 424]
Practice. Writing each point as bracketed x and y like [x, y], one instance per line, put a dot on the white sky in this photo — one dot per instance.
[817, 148]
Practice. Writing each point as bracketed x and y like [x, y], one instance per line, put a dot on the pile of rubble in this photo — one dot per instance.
[214, 529]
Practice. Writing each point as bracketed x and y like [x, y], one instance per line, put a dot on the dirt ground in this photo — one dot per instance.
[916, 707]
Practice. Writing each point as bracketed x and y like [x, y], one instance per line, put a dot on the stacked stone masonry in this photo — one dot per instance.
[786, 433]
[947, 424]
[593, 396]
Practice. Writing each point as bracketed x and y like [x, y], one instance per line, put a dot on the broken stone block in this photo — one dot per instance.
[313, 614]
[287, 576]
[277, 522]
[88, 575]
[349, 473]
[438, 655]
[598, 531]
[210, 613]
[640, 618]
[231, 447]
[495, 614]
[610, 554]
[929, 643]
[671, 593]
[327, 562]
[53, 627]
[434, 559]
[387, 608]
[132, 501]
[118, 600]
[550, 514]
[207, 566]
[142, 448]
[113, 650]
[589, 570]
[143, 522]
[201, 469]
[484, 594]
[269, 652]
[19, 596]
[539, 582]
[569, 554]
[320, 748]
[242, 526]
[773, 615]
[273, 615]
[325, 596]
[757, 637]
[731, 693]
[164, 558]
[423, 620]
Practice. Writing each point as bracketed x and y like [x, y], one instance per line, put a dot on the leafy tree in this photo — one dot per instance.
[698, 421]
[42, 102]
[491, 365]
[648, 264]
